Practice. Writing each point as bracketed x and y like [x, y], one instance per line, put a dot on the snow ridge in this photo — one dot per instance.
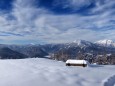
[110, 81]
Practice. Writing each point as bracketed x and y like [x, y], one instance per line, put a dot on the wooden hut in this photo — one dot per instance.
[72, 62]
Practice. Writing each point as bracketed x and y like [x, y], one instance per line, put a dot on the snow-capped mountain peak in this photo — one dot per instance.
[106, 42]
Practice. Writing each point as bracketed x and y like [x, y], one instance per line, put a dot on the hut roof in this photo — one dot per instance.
[72, 61]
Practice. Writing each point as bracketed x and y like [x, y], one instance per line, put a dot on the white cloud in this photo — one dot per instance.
[73, 4]
[40, 24]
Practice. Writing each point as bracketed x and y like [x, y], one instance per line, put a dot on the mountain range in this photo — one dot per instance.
[72, 48]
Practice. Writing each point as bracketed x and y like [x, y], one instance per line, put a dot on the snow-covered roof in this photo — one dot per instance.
[76, 61]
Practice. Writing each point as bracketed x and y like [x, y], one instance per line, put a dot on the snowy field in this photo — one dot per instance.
[45, 72]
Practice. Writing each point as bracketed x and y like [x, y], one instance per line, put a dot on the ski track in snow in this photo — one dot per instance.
[110, 81]
[45, 72]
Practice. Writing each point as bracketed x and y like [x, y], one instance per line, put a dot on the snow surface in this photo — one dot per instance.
[45, 72]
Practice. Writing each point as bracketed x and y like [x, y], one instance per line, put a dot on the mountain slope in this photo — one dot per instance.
[29, 50]
[6, 53]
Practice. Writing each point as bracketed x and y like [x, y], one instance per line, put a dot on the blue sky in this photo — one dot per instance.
[56, 21]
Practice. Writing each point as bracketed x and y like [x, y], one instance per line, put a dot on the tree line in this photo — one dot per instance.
[99, 58]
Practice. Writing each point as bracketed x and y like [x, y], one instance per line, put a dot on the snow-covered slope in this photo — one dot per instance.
[45, 72]
[82, 43]
[106, 42]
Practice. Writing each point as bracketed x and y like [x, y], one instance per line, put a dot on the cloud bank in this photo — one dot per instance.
[56, 21]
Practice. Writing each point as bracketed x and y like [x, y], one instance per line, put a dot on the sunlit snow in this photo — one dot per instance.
[46, 72]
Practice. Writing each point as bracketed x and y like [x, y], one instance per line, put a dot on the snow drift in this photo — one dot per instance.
[45, 72]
